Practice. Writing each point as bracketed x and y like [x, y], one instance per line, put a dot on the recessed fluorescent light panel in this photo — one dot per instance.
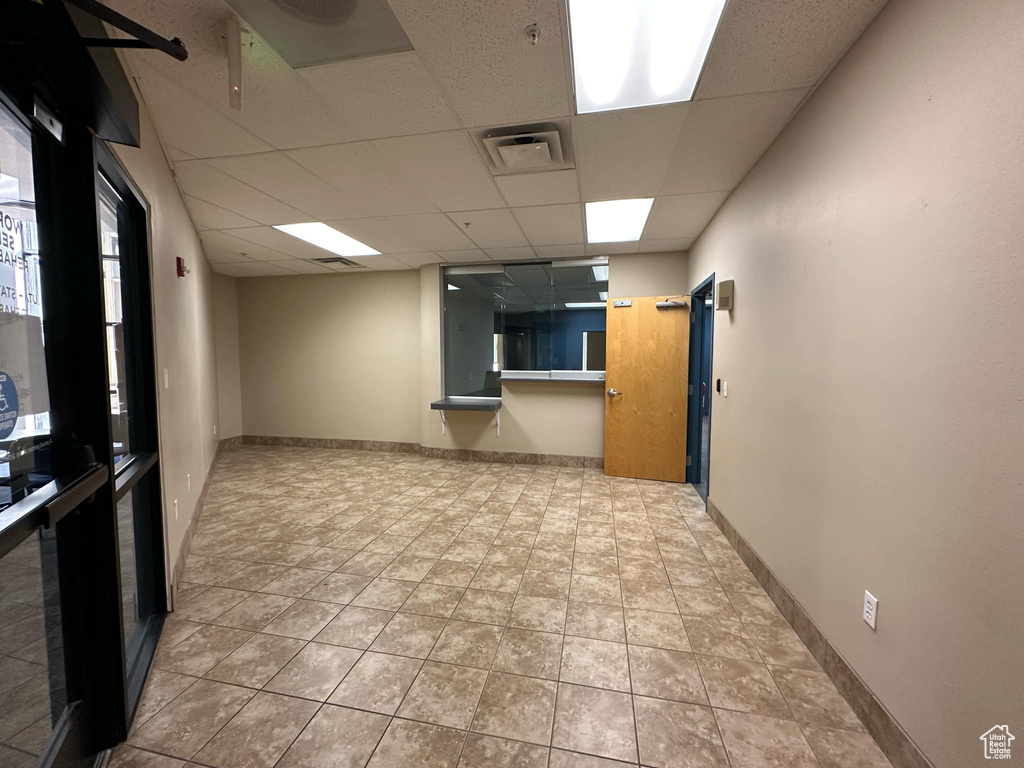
[600, 273]
[453, 287]
[328, 238]
[617, 221]
[639, 53]
[584, 305]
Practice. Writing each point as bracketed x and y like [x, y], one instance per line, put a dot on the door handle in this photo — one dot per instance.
[613, 392]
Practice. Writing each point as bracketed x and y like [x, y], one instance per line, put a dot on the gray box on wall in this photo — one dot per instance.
[724, 295]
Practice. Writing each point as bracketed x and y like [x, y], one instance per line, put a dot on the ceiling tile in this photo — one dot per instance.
[279, 106]
[490, 229]
[264, 268]
[682, 216]
[659, 246]
[186, 122]
[174, 154]
[432, 230]
[201, 180]
[552, 224]
[391, 95]
[286, 180]
[606, 249]
[484, 61]
[772, 46]
[360, 167]
[446, 167]
[378, 233]
[560, 251]
[301, 266]
[624, 154]
[471, 254]
[548, 188]
[722, 138]
[209, 216]
[417, 260]
[280, 242]
[380, 263]
[233, 270]
[216, 255]
[231, 244]
[510, 254]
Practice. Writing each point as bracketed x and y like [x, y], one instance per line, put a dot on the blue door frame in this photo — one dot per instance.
[702, 327]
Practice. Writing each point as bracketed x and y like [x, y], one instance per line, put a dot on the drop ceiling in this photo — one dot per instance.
[382, 148]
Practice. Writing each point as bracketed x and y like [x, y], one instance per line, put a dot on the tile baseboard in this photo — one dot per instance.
[879, 722]
[430, 452]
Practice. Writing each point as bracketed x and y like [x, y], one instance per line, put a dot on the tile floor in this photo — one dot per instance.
[345, 609]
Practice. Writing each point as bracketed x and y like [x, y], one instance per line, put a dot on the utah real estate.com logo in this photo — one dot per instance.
[997, 742]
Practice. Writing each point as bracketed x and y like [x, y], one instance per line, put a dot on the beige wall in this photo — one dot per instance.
[229, 371]
[648, 274]
[183, 314]
[331, 356]
[873, 437]
[359, 357]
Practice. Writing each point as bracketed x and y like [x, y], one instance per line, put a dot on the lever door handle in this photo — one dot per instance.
[613, 392]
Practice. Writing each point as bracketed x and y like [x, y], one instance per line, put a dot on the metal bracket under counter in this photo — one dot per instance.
[485, 404]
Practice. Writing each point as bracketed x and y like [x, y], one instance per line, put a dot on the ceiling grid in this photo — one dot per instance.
[382, 148]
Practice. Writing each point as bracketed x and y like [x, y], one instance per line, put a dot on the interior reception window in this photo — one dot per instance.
[528, 316]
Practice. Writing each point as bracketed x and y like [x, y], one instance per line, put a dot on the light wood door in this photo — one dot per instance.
[647, 359]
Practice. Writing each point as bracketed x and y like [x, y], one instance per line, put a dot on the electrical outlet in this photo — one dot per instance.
[725, 389]
[188, 479]
[167, 380]
[175, 510]
[870, 609]
[215, 430]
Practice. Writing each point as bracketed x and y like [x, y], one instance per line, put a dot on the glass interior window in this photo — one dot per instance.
[24, 395]
[473, 311]
[528, 317]
[114, 317]
[580, 293]
[546, 316]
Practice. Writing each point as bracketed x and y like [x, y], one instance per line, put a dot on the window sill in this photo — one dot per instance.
[572, 377]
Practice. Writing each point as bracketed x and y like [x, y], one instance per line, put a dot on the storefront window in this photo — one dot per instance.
[24, 398]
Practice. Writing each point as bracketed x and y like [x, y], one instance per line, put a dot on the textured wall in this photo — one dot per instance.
[873, 437]
[184, 322]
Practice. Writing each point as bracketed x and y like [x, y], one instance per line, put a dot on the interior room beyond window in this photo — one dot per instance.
[547, 316]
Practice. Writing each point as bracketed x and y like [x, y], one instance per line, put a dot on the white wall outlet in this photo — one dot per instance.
[214, 429]
[188, 479]
[167, 380]
[870, 609]
[725, 389]
[175, 510]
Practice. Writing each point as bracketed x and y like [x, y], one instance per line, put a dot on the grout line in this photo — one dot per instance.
[494, 482]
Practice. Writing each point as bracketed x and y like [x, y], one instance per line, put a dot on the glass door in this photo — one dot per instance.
[130, 364]
[82, 589]
[41, 720]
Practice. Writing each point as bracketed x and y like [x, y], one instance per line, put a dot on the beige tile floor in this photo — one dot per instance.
[346, 609]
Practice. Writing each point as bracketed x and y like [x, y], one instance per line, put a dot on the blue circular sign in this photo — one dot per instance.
[8, 405]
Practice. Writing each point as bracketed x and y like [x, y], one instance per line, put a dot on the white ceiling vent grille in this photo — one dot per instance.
[338, 262]
[528, 148]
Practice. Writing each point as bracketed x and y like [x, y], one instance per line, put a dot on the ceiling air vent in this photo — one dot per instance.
[310, 32]
[528, 148]
[339, 261]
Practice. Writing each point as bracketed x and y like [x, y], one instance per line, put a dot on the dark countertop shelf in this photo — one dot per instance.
[467, 404]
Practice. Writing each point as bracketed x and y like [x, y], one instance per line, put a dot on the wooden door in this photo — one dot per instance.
[645, 389]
